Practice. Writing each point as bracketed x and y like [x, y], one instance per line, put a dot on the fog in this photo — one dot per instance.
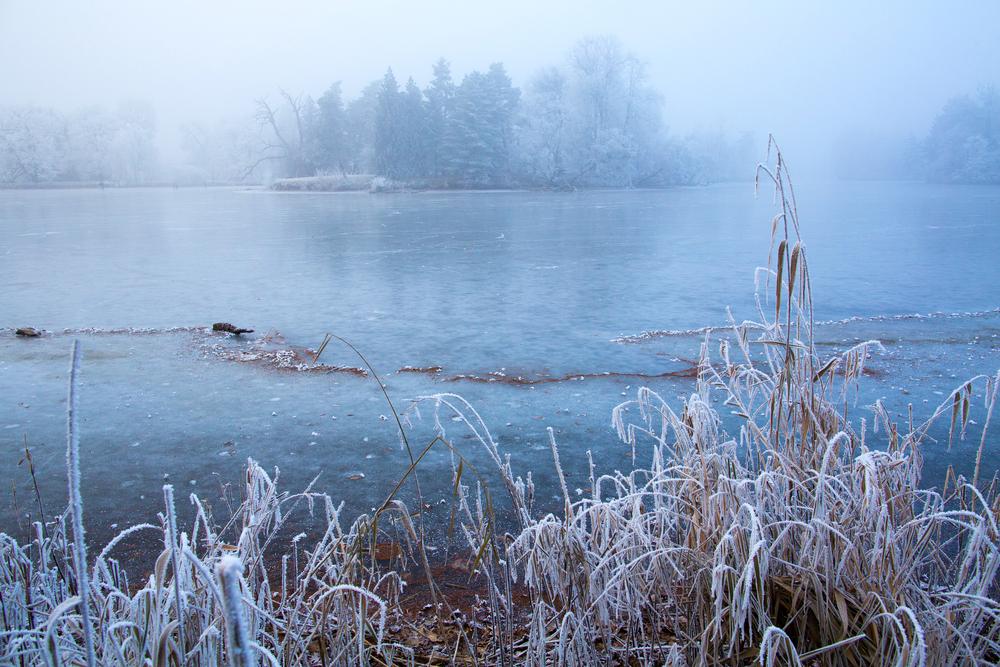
[810, 74]
[543, 357]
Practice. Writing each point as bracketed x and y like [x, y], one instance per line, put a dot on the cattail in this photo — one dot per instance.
[76, 505]
[241, 654]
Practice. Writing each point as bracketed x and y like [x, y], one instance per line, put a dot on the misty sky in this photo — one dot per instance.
[806, 72]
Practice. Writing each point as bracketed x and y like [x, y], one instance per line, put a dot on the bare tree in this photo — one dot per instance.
[285, 134]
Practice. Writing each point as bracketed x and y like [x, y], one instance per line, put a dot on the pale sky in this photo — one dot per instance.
[804, 70]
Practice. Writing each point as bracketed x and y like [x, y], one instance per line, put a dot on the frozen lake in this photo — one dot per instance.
[537, 285]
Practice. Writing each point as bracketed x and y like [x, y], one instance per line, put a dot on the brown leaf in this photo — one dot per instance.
[388, 551]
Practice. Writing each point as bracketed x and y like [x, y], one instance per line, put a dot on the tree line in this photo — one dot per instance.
[594, 121]
[963, 145]
[40, 145]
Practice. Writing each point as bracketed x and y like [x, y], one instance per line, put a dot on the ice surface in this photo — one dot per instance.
[421, 283]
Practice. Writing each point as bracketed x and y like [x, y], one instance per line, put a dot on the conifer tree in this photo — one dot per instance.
[440, 96]
[387, 125]
[330, 131]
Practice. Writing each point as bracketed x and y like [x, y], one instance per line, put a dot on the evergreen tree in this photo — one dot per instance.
[478, 137]
[387, 128]
[329, 140]
[359, 118]
[400, 130]
[466, 153]
[963, 145]
[440, 96]
[413, 133]
[499, 106]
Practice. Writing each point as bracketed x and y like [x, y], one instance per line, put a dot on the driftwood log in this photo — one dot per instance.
[230, 328]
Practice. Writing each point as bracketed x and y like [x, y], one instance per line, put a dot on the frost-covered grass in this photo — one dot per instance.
[233, 610]
[792, 540]
[330, 183]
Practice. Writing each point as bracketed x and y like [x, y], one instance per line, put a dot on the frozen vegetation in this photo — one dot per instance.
[963, 145]
[92, 145]
[791, 539]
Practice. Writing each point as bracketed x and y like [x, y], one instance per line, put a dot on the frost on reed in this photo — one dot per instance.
[795, 539]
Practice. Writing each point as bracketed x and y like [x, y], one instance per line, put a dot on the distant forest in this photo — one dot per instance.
[39, 145]
[962, 146]
[595, 121]
[964, 143]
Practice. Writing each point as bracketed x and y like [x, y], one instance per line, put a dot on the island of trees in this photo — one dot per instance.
[594, 123]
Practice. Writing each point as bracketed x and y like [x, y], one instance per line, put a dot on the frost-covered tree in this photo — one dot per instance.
[360, 130]
[286, 134]
[464, 147]
[329, 141]
[40, 145]
[501, 104]
[32, 145]
[414, 136]
[616, 115]
[221, 153]
[90, 135]
[440, 95]
[133, 150]
[963, 144]
[401, 135]
[594, 122]
[388, 127]
[543, 130]
[478, 138]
